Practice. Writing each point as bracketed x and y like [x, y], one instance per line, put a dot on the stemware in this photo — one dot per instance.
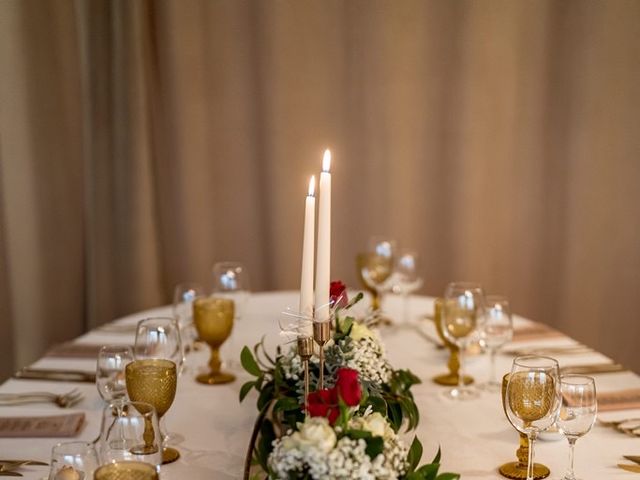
[73, 460]
[130, 431]
[496, 330]
[533, 398]
[126, 470]
[183, 296]
[406, 279]
[577, 412]
[461, 314]
[159, 337]
[375, 268]
[154, 381]
[110, 379]
[213, 318]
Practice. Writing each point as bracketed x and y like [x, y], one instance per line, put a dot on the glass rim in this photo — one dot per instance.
[158, 317]
[521, 362]
[114, 348]
[59, 448]
[119, 402]
[163, 362]
[494, 297]
[580, 379]
[227, 264]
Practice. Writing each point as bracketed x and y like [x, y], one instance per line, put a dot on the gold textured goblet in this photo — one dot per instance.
[154, 381]
[451, 378]
[518, 470]
[126, 470]
[213, 318]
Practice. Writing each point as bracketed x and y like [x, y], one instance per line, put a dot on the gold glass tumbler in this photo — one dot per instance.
[126, 471]
[213, 318]
[518, 470]
[154, 381]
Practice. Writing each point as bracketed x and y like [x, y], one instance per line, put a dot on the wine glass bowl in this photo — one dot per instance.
[497, 329]
[126, 470]
[110, 378]
[532, 398]
[73, 460]
[154, 381]
[159, 337]
[374, 272]
[213, 318]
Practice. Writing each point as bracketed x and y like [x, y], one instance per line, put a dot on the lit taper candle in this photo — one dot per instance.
[308, 250]
[323, 261]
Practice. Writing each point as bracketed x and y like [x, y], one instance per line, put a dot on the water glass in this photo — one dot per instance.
[496, 330]
[110, 379]
[231, 280]
[577, 412]
[406, 279]
[130, 431]
[159, 337]
[183, 297]
[533, 398]
[73, 460]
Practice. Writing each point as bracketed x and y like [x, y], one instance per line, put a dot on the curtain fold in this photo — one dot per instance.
[142, 141]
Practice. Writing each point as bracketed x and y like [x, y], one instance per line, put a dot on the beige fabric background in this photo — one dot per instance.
[140, 141]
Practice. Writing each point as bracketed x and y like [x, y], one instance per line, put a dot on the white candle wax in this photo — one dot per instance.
[323, 261]
[308, 244]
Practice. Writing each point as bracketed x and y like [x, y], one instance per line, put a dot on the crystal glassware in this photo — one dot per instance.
[183, 296]
[130, 431]
[73, 460]
[405, 278]
[213, 318]
[496, 330]
[159, 337]
[126, 470]
[533, 398]
[154, 381]
[462, 313]
[577, 412]
[110, 379]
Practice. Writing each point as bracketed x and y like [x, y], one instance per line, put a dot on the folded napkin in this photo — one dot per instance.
[75, 350]
[619, 400]
[535, 331]
[51, 426]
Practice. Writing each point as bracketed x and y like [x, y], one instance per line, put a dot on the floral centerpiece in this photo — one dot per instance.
[364, 392]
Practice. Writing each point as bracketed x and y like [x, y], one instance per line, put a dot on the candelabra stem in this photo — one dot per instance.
[321, 335]
[305, 350]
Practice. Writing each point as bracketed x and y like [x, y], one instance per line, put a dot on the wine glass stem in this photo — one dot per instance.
[532, 439]
[461, 349]
[214, 361]
[375, 300]
[572, 443]
[492, 372]
[405, 307]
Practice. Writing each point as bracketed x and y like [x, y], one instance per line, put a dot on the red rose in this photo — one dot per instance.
[324, 403]
[348, 386]
[338, 294]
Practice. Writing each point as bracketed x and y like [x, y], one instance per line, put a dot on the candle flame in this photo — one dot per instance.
[312, 186]
[326, 161]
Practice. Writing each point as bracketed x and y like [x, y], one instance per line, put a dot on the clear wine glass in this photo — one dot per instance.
[405, 278]
[533, 398]
[375, 269]
[130, 432]
[73, 460]
[496, 330]
[110, 378]
[160, 338]
[462, 313]
[183, 296]
[577, 412]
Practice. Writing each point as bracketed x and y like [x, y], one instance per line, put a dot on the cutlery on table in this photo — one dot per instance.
[26, 462]
[541, 350]
[28, 373]
[633, 458]
[629, 468]
[593, 369]
[65, 400]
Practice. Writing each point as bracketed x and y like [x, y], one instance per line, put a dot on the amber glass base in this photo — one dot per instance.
[215, 378]
[169, 455]
[517, 471]
[451, 379]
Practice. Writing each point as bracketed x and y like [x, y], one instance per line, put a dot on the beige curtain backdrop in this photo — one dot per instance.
[140, 141]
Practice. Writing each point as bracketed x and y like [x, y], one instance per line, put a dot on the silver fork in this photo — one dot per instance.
[64, 400]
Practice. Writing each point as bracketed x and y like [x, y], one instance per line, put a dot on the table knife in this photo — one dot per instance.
[633, 458]
[28, 373]
[630, 468]
[25, 462]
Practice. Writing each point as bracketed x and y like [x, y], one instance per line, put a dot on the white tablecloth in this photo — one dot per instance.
[474, 435]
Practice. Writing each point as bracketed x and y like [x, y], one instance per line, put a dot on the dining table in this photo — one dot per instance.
[214, 428]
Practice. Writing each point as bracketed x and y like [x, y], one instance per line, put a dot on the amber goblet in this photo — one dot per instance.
[154, 381]
[213, 318]
[518, 470]
[126, 470]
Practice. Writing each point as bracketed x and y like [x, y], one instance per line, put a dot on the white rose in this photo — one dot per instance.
[359, 331]
[316, 433]
[374, 423]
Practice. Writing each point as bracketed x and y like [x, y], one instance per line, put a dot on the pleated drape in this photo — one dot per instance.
[140, 141]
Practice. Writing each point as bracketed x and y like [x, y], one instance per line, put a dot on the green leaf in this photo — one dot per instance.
[395, 415]
[428, 472]
[375, 446]
[436, 459]
[357, 434]
[286, 403]
[249, 363]
[245, 389]
[448, 476]
[378, 404]
[265, 395]
[415, 454]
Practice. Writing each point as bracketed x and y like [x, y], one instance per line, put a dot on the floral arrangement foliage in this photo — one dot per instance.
[354, 347]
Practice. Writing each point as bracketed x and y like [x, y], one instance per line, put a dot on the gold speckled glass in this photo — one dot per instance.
[126, 471]
[213, 318]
